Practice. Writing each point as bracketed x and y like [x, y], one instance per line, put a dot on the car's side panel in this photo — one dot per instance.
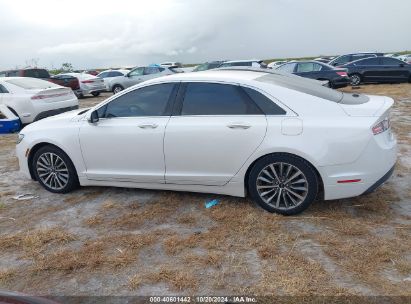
[209, 150]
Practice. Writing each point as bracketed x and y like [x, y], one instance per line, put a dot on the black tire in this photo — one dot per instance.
[95, 94]
[72, 179]
[355, 79]
[117, 88]
[296, 164]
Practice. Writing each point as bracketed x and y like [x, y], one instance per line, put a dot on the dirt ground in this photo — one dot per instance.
[112, 241]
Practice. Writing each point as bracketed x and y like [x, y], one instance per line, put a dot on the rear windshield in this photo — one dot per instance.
[36, 73]
[312, 87]
[32, 83]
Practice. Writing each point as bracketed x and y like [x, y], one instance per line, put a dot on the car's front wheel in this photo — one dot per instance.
[117, 89]
[95, 94]
[54, 170]
[283, 183]
[355, 79]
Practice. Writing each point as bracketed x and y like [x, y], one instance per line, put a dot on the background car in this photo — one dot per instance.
[208, 66]
[344, 59]
[88, 84]
[378, 69]
[107, 74]
[67, 81]
[282, 140]
[405, 58]
[336, 77]
[274, 64]
[137, 75]
[32, 99]
[28, 72]
[172, 64]
[247, 63]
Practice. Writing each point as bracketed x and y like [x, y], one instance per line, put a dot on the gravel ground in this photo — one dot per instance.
[114, 241]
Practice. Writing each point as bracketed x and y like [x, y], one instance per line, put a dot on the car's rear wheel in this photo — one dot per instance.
[283, 183]
[95, 94]
[54, 170]
[117, 89]
[355, 79]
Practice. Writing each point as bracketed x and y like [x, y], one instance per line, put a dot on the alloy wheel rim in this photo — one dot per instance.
[282, 186]
[355, 80]
[117, 89]
[52, 171]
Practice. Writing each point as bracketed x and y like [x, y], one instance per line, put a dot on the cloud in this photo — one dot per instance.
[146, 31]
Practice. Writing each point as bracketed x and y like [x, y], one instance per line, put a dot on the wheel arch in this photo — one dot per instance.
[33, 151]
[320, 180]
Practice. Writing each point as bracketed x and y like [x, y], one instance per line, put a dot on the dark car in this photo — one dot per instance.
[337, 77]
[344, 59]
[208, 66]
[66, 81]
[29, 72]
[378, 69]
[42, 74]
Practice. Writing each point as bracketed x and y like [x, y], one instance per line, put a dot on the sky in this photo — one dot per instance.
[124, 33]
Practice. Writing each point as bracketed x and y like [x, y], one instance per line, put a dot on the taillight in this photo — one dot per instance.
[342, 74]
[42, 96]
[382, 126]
[87, 81]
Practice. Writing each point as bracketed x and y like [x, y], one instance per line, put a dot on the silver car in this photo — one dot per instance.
[137, 75]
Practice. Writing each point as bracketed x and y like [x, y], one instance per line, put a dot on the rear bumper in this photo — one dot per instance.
[49, 113]
[379, 182]
[367, 173]
[341, 82]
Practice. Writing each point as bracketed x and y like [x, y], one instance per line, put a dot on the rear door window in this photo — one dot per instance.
[308, 67]
[268, 106]
[217, 99]
[288, 67]
[151, 70]
[391, 61]
[369, 61]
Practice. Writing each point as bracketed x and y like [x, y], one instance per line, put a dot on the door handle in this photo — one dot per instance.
[148, 126]
[239, 125]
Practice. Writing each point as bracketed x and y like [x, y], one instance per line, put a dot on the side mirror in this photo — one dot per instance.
[93, 118]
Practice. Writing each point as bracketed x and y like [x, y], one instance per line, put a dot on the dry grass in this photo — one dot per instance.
[6, 276]
[34, 242]
[178, 279]
[135, 282]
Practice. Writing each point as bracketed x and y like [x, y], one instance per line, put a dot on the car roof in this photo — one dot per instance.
[243, 60]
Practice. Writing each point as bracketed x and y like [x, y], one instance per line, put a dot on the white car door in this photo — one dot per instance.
[126, 144]
[218, 129]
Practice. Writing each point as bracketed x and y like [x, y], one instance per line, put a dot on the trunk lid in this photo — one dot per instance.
[51, 94]
[358, 105]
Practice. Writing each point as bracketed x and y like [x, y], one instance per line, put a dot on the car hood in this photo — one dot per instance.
[57, 120]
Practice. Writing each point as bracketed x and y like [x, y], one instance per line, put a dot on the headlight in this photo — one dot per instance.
[20, 138]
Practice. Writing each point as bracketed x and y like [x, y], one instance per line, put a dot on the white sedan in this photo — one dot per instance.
[89, 84]
[281, 140]
[32, 99]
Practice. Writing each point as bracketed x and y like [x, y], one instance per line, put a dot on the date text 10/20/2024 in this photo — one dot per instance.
[203, 299]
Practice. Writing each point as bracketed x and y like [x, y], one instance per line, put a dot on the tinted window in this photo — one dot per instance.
[3, 89]
[342, 60]
[147, 101]
[137, 72]
[264, 103]
[216, 99]
[361, 56]
[115, 74]
[369, 61]
[289, 67]
[308, 67]
[12, 73]
[232, 64]
[103, 75]
[37, 73]
[391, 61]
[151, 70]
